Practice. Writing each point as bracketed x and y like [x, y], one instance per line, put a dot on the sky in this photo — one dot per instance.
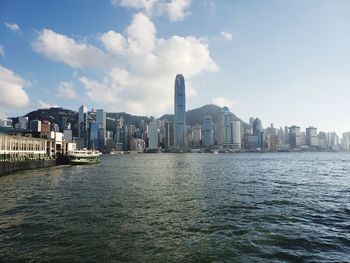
[286, 62]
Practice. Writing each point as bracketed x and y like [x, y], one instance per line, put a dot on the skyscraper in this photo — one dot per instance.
[101, 123]
[311, 136]
[83, 124]
[208, 130]
[225, 128]
[294, 137]
[236, 134]
[153, 141]
[180, 113]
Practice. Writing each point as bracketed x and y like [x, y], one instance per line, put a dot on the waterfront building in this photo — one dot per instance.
[225, 138]
[196, 136]
[102, 123]
[169, 135]
[180, 113]
[333, 139]
[93, 136]
[252, 142]
[35, 126]
[273, 141]
[281, 137]
[20, 148]
[236, 134]
[83, 124]
[294, 137]
[23, 123]
[259, 132]
[208, 130]
[322, 140]
[142, 129]
[286, 135]
[153, 142]
[345, 141]
[311, 137]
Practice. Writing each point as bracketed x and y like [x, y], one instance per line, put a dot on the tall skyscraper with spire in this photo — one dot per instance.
[180, 113]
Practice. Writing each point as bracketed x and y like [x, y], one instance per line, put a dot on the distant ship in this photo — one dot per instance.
[84, 156]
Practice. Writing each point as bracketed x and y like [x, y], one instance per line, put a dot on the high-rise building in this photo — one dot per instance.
[102, 123]
[345, 141]
[259, 132]
[294, 137]
[153, 141]
[169, 135]
[23, 122]
[208, 130]
[196, 135]
[311, 137]
[83, 124]
[225, 128]
[35, 125]
[93, 136]
[180, 113]
[236, 134]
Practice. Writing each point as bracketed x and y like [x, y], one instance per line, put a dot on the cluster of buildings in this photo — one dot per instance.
[37, 138]
[31, 140]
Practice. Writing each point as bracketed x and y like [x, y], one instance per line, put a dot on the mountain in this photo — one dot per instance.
[196, 116]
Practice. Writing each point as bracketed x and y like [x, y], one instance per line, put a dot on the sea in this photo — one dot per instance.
[248, 207]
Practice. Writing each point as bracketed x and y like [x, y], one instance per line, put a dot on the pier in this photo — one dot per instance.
[22, 152]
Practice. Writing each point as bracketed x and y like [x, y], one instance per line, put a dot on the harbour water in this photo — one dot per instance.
[290, 207]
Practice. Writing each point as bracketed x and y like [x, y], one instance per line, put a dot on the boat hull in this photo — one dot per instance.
[81, 161]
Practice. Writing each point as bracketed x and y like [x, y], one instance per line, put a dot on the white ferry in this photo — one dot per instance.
[84, 156]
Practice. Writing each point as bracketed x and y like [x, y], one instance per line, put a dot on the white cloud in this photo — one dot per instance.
[226, 35]
[140, 78]
[66, 90]
[144, 5]
[64, 49]
[13, 27]
[13, 96]
[44, 105]
[114, 42]
[221, 101]
[2, 50]
[174, 9]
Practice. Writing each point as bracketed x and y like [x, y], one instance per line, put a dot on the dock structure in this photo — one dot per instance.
[15, 148]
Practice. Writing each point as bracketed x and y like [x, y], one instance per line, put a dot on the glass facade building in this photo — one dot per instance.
[180, 113]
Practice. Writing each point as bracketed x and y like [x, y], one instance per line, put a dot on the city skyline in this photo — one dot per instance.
[286, 63]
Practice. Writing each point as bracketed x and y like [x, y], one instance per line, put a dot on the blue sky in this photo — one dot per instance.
[286, 62]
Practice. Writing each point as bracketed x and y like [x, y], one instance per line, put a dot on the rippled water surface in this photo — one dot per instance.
[180, 208]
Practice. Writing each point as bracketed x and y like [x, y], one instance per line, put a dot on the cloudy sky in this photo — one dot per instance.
[286, 62]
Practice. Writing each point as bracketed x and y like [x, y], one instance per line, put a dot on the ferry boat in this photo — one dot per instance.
[84, 156]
